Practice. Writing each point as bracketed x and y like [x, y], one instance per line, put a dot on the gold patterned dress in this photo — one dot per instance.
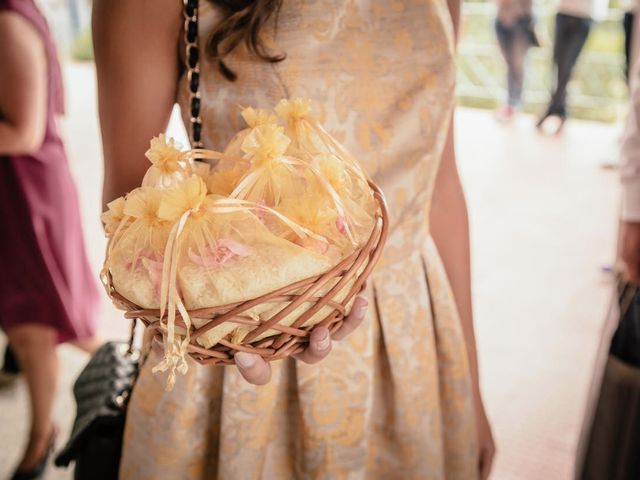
[393, 400]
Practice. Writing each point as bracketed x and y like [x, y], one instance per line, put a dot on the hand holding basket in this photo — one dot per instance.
[251, 254]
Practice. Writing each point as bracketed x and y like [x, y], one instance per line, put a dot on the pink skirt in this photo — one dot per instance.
[45, 277]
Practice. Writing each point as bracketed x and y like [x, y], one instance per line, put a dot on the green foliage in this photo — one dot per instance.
[82, 47]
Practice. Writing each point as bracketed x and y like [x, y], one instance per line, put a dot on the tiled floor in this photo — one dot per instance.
[543, 217]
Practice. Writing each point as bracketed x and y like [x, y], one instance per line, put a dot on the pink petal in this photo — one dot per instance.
[202, 260]
[154, 271]
[261, 213]
[235, 247]
[313, 244]
[219, 253]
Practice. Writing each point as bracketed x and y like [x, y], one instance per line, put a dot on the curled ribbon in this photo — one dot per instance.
[230, 205]
[251, 179]
[174, 352]
[267, 144]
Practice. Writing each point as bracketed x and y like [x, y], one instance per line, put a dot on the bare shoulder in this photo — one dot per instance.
[21, 47]
[23, 86]
[18, 33]
[136, 47]
[138, 17]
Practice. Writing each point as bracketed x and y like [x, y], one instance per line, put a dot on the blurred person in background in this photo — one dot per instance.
[629, 243]
[47, 291]
[628, 20]
[573, 24]
[514, 27]
[610, 440]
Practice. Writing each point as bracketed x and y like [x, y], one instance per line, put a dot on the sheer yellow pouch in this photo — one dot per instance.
[220, 252]
[231, 167]
[113, 216]
[254, 118]
[136, 252]
[332, 162]
[294, 188]
[169, 164]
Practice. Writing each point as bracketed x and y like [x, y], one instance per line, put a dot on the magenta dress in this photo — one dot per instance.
[45, 277]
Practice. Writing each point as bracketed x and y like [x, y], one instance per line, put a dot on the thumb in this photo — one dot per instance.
[253, 368]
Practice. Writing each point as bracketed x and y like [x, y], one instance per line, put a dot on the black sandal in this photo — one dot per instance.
[37, 472]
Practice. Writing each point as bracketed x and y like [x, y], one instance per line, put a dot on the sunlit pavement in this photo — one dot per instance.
[543, 215]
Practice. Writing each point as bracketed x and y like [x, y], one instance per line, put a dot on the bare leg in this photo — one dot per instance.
[89, 345]
[519, 49]
[35, 348]
[506, 36]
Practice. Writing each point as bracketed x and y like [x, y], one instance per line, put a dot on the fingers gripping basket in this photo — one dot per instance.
[346, 279]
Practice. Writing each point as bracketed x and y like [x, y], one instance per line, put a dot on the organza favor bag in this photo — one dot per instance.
[295, 188]
[232, 164]
[220, 252]
[136, 250]
[332, 162]
[113, 216]
[254, 118]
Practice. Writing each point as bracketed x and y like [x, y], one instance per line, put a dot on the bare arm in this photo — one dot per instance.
[23, 86]
[136, 50]
[450, 229]
[454, 10]
[629, 233]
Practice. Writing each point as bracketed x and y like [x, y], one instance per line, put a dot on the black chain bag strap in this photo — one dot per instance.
[192, 63]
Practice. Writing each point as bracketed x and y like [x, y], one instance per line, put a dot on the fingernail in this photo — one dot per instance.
[245, 360]
[323, 343]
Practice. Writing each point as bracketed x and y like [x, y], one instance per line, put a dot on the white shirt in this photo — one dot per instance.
[594, 9]
[630, 151]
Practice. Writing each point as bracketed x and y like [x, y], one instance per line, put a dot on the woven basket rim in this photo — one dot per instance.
[290, 339]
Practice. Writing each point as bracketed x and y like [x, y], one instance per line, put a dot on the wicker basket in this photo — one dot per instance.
[291, 339]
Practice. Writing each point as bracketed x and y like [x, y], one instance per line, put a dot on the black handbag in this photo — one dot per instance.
[625, 344]
[101, 392]
[610, 443]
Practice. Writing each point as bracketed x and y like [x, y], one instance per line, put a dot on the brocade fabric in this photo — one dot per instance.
[392, 400]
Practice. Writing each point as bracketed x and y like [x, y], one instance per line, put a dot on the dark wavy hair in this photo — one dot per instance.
[241, 23]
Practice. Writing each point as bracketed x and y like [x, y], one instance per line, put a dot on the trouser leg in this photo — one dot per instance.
[627, 25]
[505, 36]
[571, 35]
[519, 50]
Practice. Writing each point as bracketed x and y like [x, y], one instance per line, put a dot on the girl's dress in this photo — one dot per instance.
[392, 400]
[45, 276]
